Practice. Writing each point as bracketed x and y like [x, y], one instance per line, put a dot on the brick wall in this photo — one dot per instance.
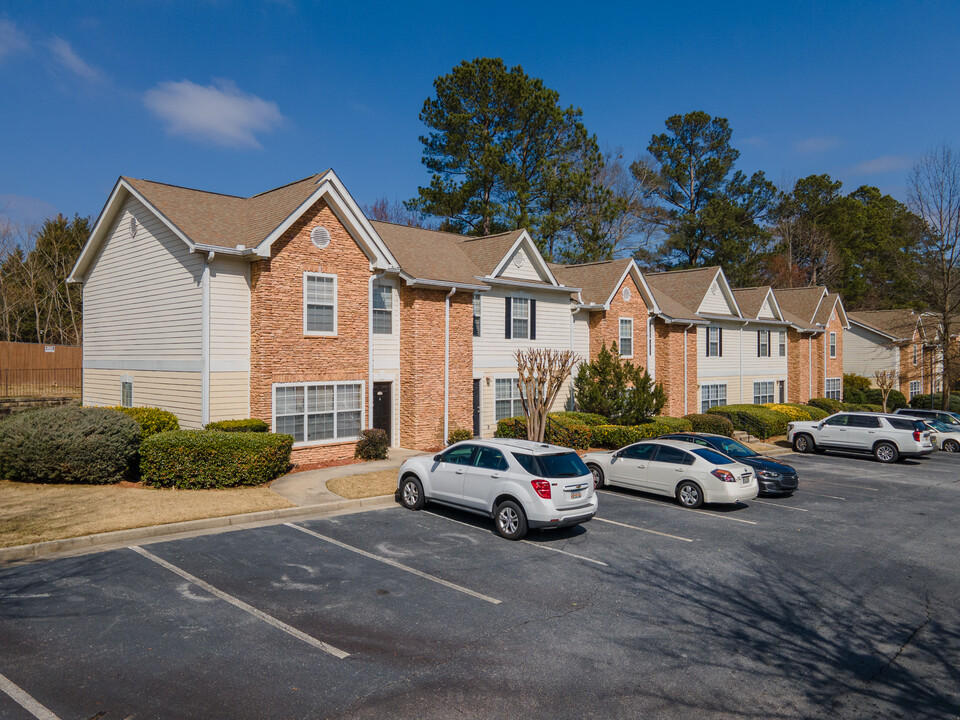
[422, 365]
[605, 326]
[909, 371]
[798, 367]
[834, 366]
[668, 348]
[279, 350]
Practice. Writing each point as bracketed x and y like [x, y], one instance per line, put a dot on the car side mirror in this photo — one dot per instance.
[820, 426]
[618, 454]
[438, 457]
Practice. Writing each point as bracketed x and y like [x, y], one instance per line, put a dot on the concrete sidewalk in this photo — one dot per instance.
[310, 487]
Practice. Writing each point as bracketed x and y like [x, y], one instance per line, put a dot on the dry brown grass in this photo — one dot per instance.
[353, 487]
[32, 513]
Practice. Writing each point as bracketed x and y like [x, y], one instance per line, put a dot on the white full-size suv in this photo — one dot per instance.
[519, 483]
[887, 437]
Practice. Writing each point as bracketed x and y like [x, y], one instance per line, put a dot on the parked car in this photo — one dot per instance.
[693, 475]
[518, 483]
[773, 477]
[945, 437]
[888, 437]
[943, 416]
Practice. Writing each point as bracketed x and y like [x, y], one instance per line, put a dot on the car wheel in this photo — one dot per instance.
[597, 473]
[886, 452]
[411, 494]
[510, 520]
[803, 443]
[689, 494]
[950, 446]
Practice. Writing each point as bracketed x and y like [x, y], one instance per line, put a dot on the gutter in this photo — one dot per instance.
[420, 282]
[446, 367]
[525, 284]
[205, 339]
[685, 331]
[690, 322]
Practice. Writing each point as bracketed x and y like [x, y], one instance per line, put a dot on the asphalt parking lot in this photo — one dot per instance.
[841, 601]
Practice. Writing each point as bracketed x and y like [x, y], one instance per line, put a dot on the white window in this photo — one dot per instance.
[476, 314]
[317, 413]
[126, 393]
[319, 304]
[833, 388]
[916, 353]
[382, 309]
[626, 337]
[763, 392]
[714, 342]
[833, 345]
[507, 399]
[914, 388]
[783, 343]
[763, 343]
[520, 318]
[650, 338]
[712, 396]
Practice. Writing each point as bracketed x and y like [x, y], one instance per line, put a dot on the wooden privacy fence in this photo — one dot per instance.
[32, 370]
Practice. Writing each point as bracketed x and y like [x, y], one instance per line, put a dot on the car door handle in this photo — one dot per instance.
[678, 469]
[459, 472]
[495, 475]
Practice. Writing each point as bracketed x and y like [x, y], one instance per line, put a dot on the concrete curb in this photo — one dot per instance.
[36, 550]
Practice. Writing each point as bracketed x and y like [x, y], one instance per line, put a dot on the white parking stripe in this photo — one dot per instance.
[858, 487]
[537, 545]
[399, 566]
[832, 497]
[25, 701]
[785, 507]
[677, 507]
[236, 602]
[642, 529]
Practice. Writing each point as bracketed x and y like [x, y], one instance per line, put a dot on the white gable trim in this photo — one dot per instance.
[533, 251]
[823, 294]
[721, 281]
[774, 305]
[633, 270]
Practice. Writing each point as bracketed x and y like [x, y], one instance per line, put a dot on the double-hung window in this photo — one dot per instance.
[714, 342]
[763, 392]
[833, 344]
[626, 337]
[833, 388]
[315, 413]
[126, 393]
[520, 318]
[914, 388]
[382, 309]
[763, 343]
[783, 343]
[507, 402]
[712, 396]
[319, 304]
[476, 314]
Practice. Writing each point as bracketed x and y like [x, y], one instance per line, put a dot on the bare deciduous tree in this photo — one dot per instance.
[542, 373]
[886, 380]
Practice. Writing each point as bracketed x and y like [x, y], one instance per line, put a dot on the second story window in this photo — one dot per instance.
[916, 353]
[521, 319]
[833, 346]
[126, 393]
[783, 343]
[476, 314]
[626, 337]
[763, 344]
[714, 342]
[382, 309]
[319, 304]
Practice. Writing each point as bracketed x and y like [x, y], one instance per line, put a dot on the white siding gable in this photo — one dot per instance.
[715, 301]
[522, 265]
[766, 310]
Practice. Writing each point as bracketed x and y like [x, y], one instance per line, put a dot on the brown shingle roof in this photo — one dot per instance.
[899, 324]
[487, 252]
[799, 305]
[751, 300]
[598, 281]
[429, 254]
[826, 307]
[680, 292]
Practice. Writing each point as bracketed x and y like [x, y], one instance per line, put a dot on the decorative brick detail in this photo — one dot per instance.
[605, 326]
[422, 365]
[279, 350]
[668, 347]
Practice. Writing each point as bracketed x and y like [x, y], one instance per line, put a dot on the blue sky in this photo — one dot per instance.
[240, 97]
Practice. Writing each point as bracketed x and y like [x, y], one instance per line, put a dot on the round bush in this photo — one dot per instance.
[828, 404]
[794, 412]
[715, 424]
[151, 420]
[68, 444]
[372, 445]
[459, 435]
[245, 425]
[757, 420]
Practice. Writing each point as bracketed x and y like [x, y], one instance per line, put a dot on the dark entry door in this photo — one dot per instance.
[782, 388]
[382, 407]
[476, 408]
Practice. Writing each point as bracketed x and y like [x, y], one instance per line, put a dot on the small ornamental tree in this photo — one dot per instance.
[885, 380]
[617, 389]
[542, 374]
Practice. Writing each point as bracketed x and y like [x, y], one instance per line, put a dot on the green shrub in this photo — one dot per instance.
[68, 444]
[716, 424]
[895, 399]
[561, 431]
[245, 425]
[372, 445]
[617, 436]
[213, 458]
[588, 419]
[919, 402]
[828, 404]
[151, 420]
[459, 435]
[755, 419]
[854, 388]
[815, 413]
[617, 389]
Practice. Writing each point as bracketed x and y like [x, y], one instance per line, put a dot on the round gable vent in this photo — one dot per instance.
[518, 259]
[320, 236]
[626, 294]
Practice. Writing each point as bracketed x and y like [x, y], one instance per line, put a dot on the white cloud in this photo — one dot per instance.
[12, 41]
[816, 144]
[218, 113]
[24, 209]
[883, 164]
[65, 55]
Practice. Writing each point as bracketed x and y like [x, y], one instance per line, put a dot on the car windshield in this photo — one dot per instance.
[734, 449]
[713, 456]
[941, 426]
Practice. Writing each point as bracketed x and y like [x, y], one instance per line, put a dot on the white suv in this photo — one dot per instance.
[519, 483]
[887, 437]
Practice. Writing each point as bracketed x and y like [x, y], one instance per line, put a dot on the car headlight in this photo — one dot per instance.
[768, 474]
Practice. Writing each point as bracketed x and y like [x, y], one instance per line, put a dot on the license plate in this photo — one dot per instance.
[745, 479]
[575, 494]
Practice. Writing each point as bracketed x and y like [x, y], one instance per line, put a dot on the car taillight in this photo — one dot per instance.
[723, 476]
[916, 435]
[542, 488]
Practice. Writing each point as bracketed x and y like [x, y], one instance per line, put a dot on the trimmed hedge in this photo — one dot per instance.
[68, 444]
[213, 458]
[372, 445]
[755, 419]
[793, 412]
[815, 413]
[151, 420]
[459, 435]
[244, 425]
[829, 404]
[716, 424]
[588, 419]
[561, 431]
[921, 402]
[615, 437]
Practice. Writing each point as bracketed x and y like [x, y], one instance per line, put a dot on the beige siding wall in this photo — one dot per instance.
[521, 266]
[865, 352]
[178, 392]
[488, 421]
[715, 302]
[766, 312]
[728, 364]
[229, 395]
[386, 348]
[229, 317]
[491, 350]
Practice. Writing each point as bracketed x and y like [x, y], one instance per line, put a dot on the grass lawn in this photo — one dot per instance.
[383, 482]
[32, 513]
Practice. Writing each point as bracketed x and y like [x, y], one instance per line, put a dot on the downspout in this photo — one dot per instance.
[205, 339]
[446, 367]
[372, 280]
[741, 364]
[685, 331]
[809, 367]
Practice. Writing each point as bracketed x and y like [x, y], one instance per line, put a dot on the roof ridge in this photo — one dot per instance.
[414, 227]
[471, 238]
[803, 287]
[281, 187]
[589, 264]
[183, 187]
[686, 270]
[753, 287]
